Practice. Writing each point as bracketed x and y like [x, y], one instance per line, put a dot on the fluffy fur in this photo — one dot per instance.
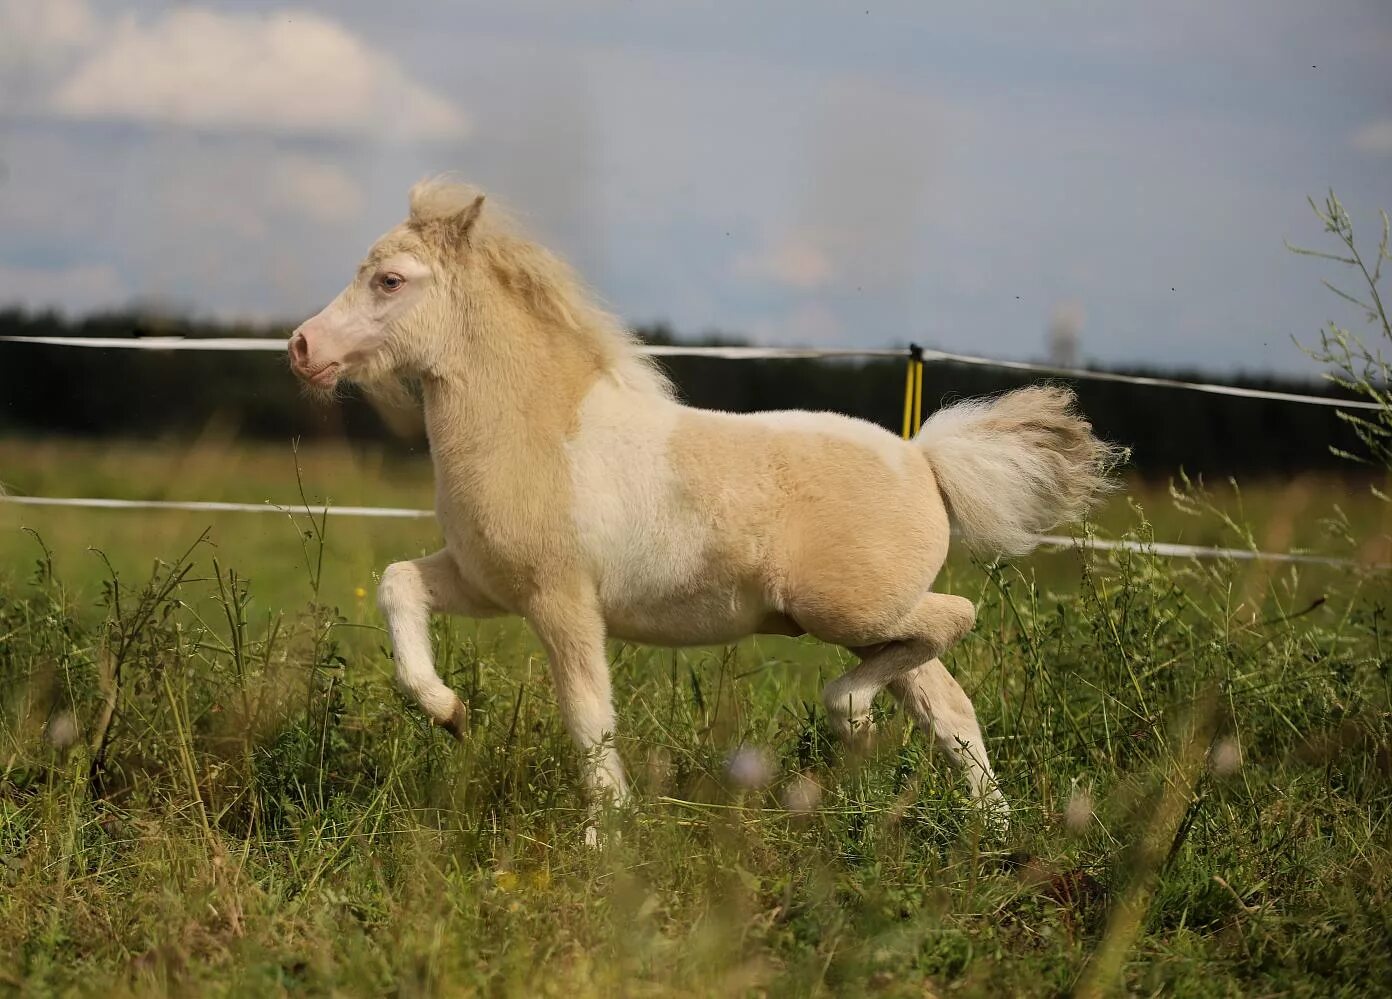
[1015, 466]
[572, 489]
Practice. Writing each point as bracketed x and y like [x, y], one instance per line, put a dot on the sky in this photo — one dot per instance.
[796, 173]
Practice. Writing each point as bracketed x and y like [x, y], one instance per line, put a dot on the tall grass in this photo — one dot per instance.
[1196, 754]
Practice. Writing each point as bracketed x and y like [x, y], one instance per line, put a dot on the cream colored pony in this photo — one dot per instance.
[574, 490]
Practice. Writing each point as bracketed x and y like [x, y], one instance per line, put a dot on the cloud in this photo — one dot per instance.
[1374, 137]
[793, 262]
[285, 72]
[76, 289]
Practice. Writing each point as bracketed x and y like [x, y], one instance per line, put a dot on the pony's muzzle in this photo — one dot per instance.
[302, 362]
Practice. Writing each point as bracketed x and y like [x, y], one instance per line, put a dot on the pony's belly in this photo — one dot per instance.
[701, 619]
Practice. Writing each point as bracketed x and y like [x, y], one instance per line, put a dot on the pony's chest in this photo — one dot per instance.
[504, 550]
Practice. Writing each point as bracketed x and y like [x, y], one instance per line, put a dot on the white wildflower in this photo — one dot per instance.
[1077, 814]
[803, 794]
[750, 767]
[62, 730]
[1226, 757]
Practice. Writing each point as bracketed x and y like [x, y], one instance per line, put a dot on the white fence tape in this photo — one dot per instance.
[736, 354]
[156, 342]
[209, 506]
[1164, 549]
[1171, 549]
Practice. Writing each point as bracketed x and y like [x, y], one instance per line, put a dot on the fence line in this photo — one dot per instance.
[1164, 549]
[212, 506]
[741, 353]
[269, 344]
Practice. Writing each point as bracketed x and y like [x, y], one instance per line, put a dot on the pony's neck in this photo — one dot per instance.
[514, 398]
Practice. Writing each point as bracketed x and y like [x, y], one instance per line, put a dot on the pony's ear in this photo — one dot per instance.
[460, 224]
[433, 212]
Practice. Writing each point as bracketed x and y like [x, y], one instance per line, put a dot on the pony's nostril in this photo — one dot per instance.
[299, 349]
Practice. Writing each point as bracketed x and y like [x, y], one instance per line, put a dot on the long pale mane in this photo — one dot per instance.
[544, 283]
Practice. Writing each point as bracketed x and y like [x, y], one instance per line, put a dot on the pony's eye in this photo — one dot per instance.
[391, 282]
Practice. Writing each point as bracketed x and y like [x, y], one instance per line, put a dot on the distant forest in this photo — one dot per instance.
[134, 394]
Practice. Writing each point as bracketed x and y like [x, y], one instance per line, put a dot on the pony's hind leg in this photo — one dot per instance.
[936, 622]
[906, 660]
[407, 595]
[939, 706]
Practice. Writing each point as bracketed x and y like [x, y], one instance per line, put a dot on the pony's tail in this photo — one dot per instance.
[1015, 465]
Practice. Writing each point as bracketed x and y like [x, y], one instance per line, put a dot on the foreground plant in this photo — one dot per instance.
[1350, 360]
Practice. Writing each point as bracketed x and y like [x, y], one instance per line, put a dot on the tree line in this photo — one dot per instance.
[123, 393]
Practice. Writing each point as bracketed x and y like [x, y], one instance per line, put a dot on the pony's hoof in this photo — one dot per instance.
[856, 734]
[458, 721]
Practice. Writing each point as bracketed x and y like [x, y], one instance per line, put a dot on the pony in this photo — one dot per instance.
[574, 489]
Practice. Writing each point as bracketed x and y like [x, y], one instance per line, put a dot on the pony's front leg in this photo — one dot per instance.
[407, 595]
[571, 629]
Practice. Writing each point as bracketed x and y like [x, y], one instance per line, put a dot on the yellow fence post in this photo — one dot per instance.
[909, 382]
[918, 388]
[913, 392]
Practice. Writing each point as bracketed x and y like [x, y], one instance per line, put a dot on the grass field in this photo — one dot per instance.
[1197, 756]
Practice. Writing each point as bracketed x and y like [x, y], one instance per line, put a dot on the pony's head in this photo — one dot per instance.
[456, 282]
[391, 317]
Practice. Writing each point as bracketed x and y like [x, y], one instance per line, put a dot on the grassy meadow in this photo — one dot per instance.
[210, 786]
